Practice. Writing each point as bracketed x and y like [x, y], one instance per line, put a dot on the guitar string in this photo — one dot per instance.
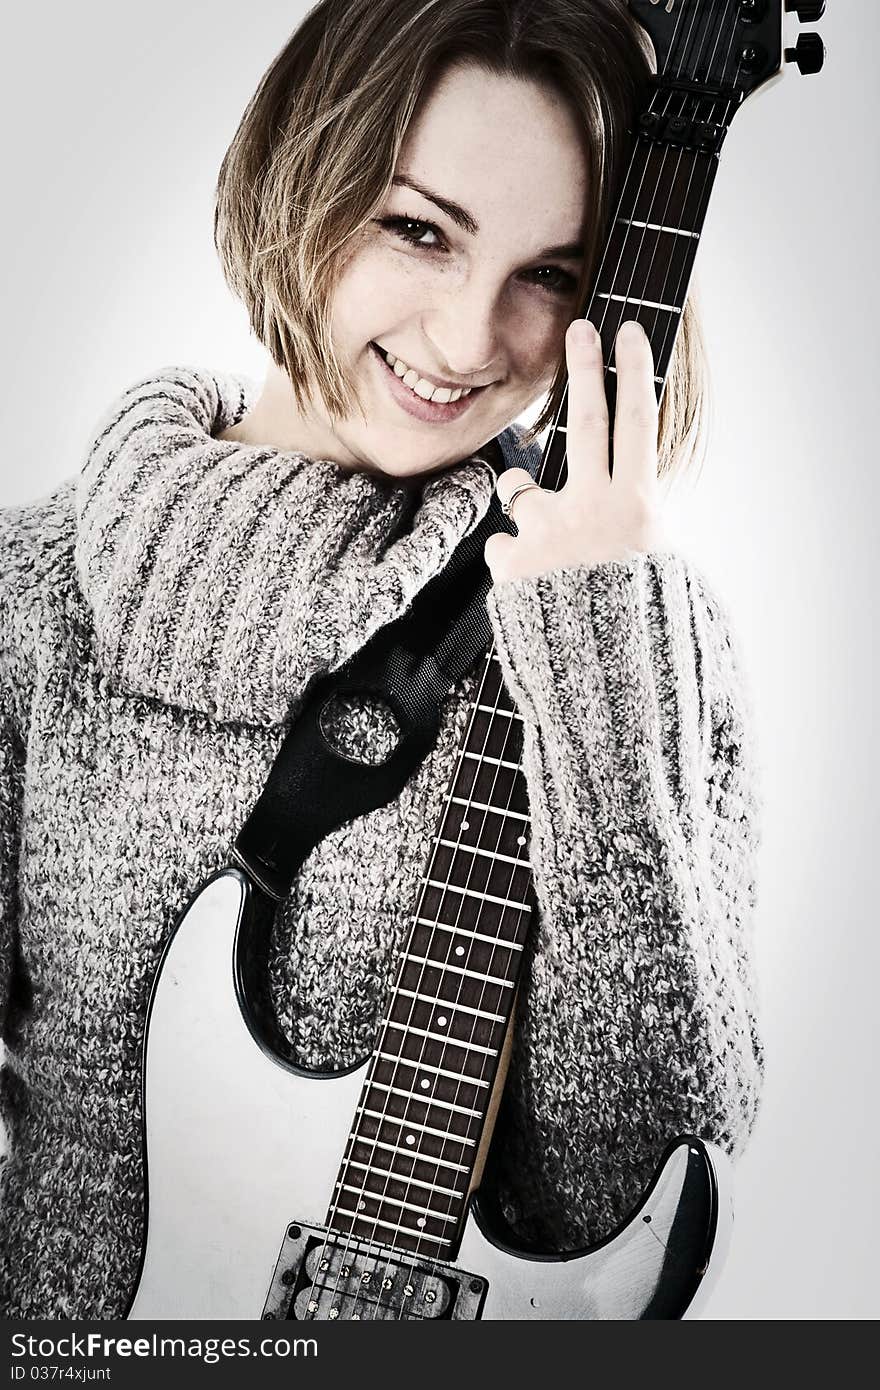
[635, 266]
[725, 117]
[410, 1063]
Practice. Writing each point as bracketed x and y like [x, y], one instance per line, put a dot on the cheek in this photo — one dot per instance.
[539, 339]
[375, 290]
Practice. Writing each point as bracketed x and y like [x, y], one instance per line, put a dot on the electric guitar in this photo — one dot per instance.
[279, 1194]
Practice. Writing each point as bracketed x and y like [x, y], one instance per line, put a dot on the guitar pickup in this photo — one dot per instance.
[325, 1276]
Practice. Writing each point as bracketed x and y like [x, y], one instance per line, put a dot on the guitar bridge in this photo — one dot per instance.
[326, 1275]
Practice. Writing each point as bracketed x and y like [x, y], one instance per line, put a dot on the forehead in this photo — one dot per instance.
[503, 148]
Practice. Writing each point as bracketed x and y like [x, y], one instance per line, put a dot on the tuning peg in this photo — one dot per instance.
[808, 53]
[808, 11]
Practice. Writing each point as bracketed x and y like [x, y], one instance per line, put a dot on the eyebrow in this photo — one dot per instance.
[574, 251]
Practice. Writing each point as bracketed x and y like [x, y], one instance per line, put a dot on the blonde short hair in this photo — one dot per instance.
[313, 157]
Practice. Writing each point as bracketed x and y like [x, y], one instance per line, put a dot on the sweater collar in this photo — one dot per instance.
[221, 576]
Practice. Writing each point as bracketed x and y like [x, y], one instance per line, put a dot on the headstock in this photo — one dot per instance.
[727, 49]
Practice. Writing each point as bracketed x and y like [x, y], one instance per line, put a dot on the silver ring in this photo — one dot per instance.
[521, 487]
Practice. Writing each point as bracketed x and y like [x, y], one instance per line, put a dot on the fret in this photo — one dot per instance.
[461, 1008]
[486, 829]
[381, 1198]
[410, 1153]
[658, 227]
[421, 1139]
[464, 931]
[462, 970]
[373, 1221]
[426, 1099]
[445, 1017]
[643, 303]
[457, 909]
[485, 806]
[419, 1112]
[494, 739]
[497, 762]
[413, 1242]
[431, 1186]
[471, 893]
[421, 1052]
[675, 186]
[405, 1123]
[501, 879]
[487, 853]
[613, 371]
[436, 1071]
[439, 1037]
[502, 786]
[496, 709]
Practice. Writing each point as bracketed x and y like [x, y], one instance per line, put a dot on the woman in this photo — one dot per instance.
[384, 211]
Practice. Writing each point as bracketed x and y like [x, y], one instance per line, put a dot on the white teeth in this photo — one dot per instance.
[426, 389]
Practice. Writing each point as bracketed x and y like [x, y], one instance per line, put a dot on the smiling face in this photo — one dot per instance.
[466, 279]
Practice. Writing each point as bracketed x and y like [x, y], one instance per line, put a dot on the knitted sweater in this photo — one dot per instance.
[160, 618]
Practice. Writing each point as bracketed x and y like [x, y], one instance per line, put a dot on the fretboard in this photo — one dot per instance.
[406, 1174]
[415, 1136]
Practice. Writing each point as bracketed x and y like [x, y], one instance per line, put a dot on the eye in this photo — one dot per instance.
[411, 230]
[558, 281]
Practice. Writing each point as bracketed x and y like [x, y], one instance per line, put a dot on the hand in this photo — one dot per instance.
[594, 517]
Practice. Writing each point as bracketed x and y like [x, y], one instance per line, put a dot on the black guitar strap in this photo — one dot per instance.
[412, 664]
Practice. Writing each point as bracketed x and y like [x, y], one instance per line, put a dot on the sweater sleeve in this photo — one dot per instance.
[11, 781]
[637, 1017]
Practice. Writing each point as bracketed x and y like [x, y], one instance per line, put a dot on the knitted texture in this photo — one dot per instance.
[160, 618]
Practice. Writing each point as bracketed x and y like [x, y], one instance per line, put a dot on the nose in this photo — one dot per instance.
[463, 330]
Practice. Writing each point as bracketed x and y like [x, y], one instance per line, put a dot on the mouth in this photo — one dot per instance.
[430, 411]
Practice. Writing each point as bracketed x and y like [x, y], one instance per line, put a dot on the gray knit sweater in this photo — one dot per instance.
[160, 618]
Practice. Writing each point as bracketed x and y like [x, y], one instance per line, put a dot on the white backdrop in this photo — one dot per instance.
[113, 122]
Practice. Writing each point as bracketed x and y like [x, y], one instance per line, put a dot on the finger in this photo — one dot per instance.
[526, 502]
[498, 553]
[636, 413]
[587, 423]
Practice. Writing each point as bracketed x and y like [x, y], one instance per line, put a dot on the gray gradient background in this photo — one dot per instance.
[114, 122]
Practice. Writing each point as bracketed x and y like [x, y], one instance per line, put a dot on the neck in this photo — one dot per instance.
[275, 422]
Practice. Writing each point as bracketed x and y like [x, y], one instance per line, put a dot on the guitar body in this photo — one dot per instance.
[240, 1148]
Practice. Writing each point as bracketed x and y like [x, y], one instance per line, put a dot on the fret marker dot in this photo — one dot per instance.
[459, 950]
[521, 840]
[442, 1021]
[420, 1221]
[424, 1085]
[465, 825]
[410, 1138]
[362, 1206]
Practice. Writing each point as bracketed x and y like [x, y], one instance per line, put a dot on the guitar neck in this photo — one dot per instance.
[652, 242]
[416, 1134]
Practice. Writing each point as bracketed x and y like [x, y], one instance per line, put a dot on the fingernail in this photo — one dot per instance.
[632, 328]
[583, 332]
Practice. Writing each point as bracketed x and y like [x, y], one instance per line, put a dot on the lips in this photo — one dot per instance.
[430, 412]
